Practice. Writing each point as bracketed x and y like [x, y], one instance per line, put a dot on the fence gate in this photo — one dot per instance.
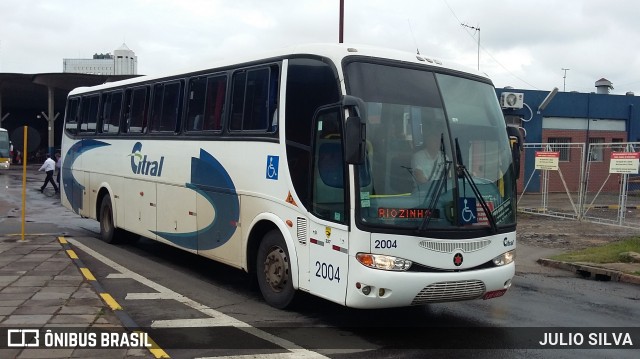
[612, 184]
[553, 179]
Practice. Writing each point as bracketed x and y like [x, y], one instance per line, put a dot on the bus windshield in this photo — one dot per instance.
[438, 155]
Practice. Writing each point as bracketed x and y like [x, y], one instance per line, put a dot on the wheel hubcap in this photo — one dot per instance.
[276, 269]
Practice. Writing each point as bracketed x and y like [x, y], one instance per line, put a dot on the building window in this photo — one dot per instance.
[617, 147]
[596, 151]
[562, 145]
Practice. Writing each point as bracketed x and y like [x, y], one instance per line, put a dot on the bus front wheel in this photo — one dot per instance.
[274, 271]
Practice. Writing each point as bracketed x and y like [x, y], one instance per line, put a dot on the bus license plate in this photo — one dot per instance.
[494, 294]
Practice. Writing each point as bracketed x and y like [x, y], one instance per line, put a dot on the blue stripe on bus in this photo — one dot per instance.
[213, 183]
[73, 190]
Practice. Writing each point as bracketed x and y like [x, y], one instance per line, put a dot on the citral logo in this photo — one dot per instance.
[142, 166]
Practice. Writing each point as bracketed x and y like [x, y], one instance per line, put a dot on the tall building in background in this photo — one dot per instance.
[122, 62]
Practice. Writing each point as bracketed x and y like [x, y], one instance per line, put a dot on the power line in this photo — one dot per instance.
[485, 51]
[478, 30]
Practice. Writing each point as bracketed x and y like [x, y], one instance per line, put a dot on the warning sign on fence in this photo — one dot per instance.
[624, 162]
[547, 160]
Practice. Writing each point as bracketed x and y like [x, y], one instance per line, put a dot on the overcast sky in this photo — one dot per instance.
[524, 44]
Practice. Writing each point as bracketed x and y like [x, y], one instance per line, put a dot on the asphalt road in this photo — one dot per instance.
[199, 308]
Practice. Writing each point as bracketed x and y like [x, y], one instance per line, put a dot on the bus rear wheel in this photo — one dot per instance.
[108, 231]
[274, 271]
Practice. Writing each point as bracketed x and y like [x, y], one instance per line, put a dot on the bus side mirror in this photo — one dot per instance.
[516, 141]
[355, 140]
[355, 130]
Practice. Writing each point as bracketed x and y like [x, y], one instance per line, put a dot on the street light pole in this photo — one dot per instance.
[564, 88]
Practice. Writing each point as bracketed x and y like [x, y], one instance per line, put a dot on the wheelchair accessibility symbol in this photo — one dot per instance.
[468, 211]
[272, 167]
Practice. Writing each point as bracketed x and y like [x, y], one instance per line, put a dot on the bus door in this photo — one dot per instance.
[328, 231]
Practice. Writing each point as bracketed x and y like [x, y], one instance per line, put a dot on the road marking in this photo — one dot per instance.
[294, 354]
[220, 318]
[155, 349]
[110, 301]
[72, 254]
[146, 296]
[185, 323]
[87, 274]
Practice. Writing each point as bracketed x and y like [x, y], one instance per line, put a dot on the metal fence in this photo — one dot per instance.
[596, 183]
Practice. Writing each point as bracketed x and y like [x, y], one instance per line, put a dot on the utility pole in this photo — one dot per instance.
[341, 31]
[564, 88]
[478, 30]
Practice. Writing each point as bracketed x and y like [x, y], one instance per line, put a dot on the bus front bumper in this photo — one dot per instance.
[373, 288]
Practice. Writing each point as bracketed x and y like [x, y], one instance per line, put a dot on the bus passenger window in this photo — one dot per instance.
[254, 100]
[216, 92]
[111, 103]
[89, 114]
[71, 120]
[137, 119]
[195, 106]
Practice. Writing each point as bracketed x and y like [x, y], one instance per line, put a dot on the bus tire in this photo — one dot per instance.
[273, 271]
[108, 231]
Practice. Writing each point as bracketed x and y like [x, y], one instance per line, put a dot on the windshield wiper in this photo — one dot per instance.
[441, 182]
[463, 172]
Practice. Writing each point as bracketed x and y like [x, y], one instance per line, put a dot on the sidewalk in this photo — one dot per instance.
[42, 286]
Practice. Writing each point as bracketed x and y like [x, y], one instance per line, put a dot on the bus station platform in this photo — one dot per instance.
[43, 285]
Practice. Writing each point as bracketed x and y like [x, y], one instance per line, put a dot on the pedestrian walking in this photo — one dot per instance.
[49, 167]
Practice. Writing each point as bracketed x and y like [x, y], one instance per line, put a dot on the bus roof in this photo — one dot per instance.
[334, 51]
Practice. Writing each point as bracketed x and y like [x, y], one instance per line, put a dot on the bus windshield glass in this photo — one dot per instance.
[438, 154]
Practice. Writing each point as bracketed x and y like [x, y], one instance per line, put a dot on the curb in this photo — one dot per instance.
[587, 271]
[126, 320]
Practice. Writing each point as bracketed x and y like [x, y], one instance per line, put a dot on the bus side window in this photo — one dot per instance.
[205, 105]
[195, 104]
[125, 119]
[138, 110]
[214, 108]
[71, 120]
[110, 115]
[254, 99]
[89, 113]
[165, 107]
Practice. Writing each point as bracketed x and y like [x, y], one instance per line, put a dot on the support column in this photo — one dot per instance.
[50, 120]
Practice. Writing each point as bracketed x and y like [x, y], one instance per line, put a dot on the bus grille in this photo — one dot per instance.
[450, 291]
[451, 246]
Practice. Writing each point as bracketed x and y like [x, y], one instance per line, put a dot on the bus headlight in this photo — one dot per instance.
[379, 261]
[505, 258]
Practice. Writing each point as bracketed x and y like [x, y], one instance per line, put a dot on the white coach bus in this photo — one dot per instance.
[308, 168]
